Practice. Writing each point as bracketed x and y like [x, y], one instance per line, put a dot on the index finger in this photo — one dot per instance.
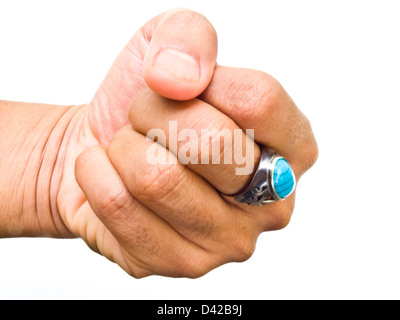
[255, 100]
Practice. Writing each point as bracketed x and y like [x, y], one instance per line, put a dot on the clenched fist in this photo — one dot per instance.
[171, 218]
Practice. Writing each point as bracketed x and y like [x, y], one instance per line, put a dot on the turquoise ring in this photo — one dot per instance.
[273, 180]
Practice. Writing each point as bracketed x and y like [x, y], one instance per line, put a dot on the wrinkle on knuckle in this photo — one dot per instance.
[113, 204]
[86, 157]
[243, 249]
[137, 271]
[280, 218]
[193, 266]
[255, 100]
[205, 230]
[242, 242]
[189, 18]
[282, 221]
[139, 274]
[301, 135]
[160, 181]
[190, 23]
[199, 222]
[201, 226]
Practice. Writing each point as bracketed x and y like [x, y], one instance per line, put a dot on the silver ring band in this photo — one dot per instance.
[273, 180]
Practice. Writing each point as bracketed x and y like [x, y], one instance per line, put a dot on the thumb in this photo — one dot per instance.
[180, 59]
[174, 54]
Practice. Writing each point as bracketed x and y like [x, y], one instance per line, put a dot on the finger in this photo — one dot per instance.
[182, 198]
[149, 111]
[149, 244]
[181, 56]
[174, 53]
[256, 100]
[205, 139]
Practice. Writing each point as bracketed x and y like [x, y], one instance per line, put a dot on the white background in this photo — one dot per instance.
[339, 60]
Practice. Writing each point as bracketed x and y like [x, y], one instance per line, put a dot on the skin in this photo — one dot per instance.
[81, 171]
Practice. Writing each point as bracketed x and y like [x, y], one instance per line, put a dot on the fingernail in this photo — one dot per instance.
[178, 64]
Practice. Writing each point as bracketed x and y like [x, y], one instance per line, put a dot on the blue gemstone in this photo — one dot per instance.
[284, 179]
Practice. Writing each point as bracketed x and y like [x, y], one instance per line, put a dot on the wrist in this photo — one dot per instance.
[33, 136]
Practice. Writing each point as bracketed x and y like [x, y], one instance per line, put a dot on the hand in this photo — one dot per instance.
[171, 219]
[175, 55]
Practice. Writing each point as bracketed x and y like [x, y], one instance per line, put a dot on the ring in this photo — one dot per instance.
[274, 180]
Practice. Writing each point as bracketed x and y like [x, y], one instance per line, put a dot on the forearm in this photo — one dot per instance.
[31, 136]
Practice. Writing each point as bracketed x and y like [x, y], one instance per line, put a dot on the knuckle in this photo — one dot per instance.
[160, 181]
[243, 249]
[86, 157]
[311, 157]
[303, 136]
[313, 152]
[113, 203]
[80, 161]
[193, 266]
[242, 242]
[139, 274]
[280, 218]
[200, 225]
[256, 99]
[282, 221]
[189, 18]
